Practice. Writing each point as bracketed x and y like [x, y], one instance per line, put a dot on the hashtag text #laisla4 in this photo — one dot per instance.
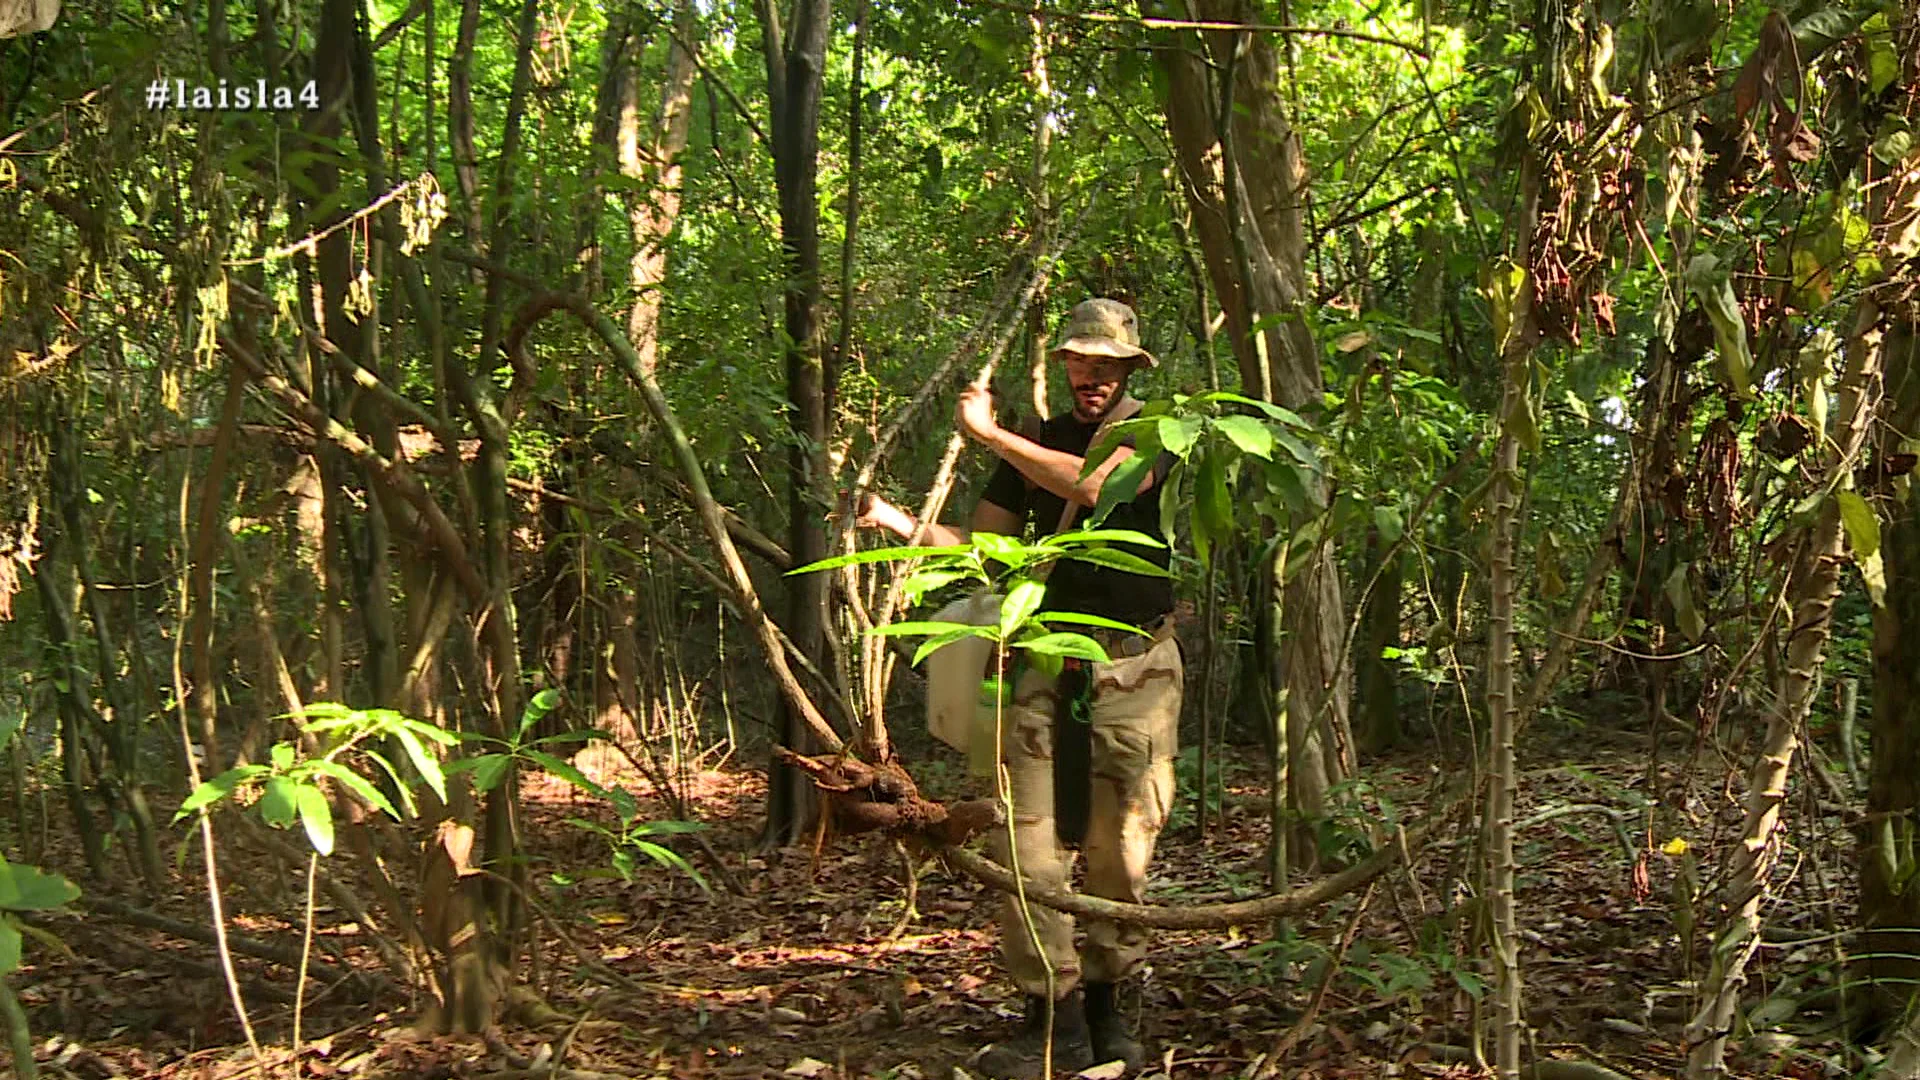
[257, 95]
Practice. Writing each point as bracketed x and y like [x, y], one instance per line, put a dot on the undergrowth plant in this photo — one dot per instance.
[24, 891]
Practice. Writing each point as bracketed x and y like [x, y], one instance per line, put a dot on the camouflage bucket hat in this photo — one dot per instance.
[1105, 328]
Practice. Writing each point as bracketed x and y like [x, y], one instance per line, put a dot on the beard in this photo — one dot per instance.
[1096, 410]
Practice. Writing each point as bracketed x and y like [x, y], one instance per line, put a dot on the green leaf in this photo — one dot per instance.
[277, 805]
[928, 579]
[1177, 434]
[1387, 520]
[29, 888]
[1022, 601]
[1145, 430]
[317, 816]
[282, 756]
[892, 554]
[1117, 536]
[1122, 484]
[567, 772]
[1294, 446]
[399, 785]
[1115, 559]
[1863, 538]
[10, 722]
[668, 828]
[1078, 619]
[539, 706]
[1682, 597]
[1213, 506]
[1285, 416]
[1250, 435]
[941, 641]
[1076, 645]
[1863, 528]
[9, 945]
[1170, 505]
[489, 770]
[358, 784]
[1714, 286]
[427, 765]
[220, 787]
[671, 859]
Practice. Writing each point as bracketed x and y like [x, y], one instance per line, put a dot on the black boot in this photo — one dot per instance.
[1107, 1032]
[1021, 1057]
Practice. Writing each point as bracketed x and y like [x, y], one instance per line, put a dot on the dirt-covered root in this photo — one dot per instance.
[867, 797]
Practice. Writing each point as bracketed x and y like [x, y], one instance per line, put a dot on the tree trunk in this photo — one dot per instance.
[794, 71]
[1258, 270]
[1892, 960]
[1815, 583]
[651, 214]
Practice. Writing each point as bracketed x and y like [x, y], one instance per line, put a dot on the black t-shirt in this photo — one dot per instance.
[1083, 587]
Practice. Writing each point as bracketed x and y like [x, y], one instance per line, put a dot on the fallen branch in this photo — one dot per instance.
[285, 956]
[1202, 917]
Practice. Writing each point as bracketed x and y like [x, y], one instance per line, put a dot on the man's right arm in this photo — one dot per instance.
[987, 517]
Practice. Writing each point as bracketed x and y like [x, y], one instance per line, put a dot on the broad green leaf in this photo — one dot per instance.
[1250, 435]
[1144, 429]
[1714, 286]
[1285, 416]
[668, 828]
[892, 554]
[1114, 559]
[429, 731]
[29, 888]
[1122, 484]
[317, 816]
[358, 784]
[1022, 601]
[1078, 619]
[672, 860]
[941, 641]
[1863, 538]
[1177, 434]
[540, 705]
[399, 785]
[1075, 645]
[1295, 447]
[1681, 594]
[9, 945]
[1863, 528]
[1387, 520]
[212, 791]
[567, 772]
[427, 765]
[10, 722]
[624, 805]
[282, 756]
[1213, 506]
[927, 580]
[624, 863]
[1170, 504]
[1523, 425]
[1117, 536]
[1003, 549]
[277, 802]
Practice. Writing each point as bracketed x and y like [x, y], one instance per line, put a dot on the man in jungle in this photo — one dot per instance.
[1089, 752]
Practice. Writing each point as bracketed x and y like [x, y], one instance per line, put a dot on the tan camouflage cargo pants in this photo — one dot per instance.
[1136, 725]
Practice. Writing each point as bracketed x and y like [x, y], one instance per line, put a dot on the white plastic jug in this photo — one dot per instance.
[954, 671]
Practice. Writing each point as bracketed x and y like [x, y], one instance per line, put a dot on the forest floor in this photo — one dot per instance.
[809, 974]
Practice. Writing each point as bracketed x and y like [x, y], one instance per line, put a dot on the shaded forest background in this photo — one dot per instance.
[1542, 377]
